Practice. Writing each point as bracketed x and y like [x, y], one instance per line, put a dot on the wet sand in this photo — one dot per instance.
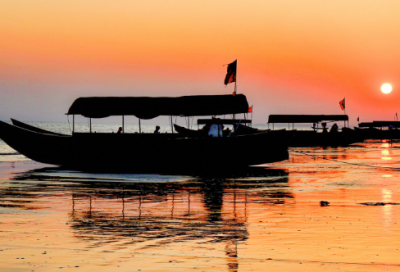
[53, 219]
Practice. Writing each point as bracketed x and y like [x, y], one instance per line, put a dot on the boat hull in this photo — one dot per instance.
[145, 151]
[379, 134]
[313, 138]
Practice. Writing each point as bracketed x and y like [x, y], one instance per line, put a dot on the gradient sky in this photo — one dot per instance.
[294, 57]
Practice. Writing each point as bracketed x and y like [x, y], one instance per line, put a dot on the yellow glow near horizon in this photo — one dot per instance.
[386, 88]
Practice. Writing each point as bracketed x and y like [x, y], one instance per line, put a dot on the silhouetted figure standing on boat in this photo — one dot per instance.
[324, 129]
[119, 130]
[226, 132]
[334, 128]
[157, 131]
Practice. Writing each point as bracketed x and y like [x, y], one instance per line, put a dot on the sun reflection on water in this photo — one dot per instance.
[387, 210]
[386, 152]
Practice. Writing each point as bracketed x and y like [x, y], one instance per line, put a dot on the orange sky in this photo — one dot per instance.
[293, 56]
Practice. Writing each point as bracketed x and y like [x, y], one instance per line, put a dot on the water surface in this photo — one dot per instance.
[267, 217]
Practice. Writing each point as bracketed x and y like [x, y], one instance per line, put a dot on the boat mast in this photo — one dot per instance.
[73, 123]
[90, 122]
[123, 124]
[140, 129]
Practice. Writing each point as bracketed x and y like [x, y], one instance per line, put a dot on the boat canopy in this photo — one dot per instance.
[380, 124]
[296, 118]
[151, 107]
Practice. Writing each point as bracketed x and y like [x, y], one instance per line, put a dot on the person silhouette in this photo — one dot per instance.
[324, 129]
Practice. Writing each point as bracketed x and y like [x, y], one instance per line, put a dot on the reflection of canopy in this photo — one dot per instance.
[151, 107]
[288, 118]
[381, 124]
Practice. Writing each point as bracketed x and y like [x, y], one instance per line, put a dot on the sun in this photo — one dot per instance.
[386, 88]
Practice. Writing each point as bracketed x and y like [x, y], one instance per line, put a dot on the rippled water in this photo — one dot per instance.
[260, 218]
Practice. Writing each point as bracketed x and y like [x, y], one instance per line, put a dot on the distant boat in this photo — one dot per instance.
[33, 128]
[138, 151]
[382, 130]
[319, 134]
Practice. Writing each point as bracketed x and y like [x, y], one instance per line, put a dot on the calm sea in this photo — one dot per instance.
[269, 217]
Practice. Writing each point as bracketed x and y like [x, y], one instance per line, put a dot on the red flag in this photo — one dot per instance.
[231, 73]
[251, 109]
[234, 93]
[342, 104]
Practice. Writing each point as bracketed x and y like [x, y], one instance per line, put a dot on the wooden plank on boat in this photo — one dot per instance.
[32, 128]
[222, 121]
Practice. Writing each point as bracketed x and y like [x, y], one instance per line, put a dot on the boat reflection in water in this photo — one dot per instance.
[147, 213]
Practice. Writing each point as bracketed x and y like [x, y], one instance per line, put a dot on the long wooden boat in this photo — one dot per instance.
[139, 151]
[319, 135]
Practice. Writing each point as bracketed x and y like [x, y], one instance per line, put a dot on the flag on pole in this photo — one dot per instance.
[251, 109]
[231, 73]
[358, 119]
[342, 104]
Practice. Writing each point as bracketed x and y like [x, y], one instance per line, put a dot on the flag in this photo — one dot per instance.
[358, 119]
[342, 104]
[251, 109]
[234, 93]
[231, 73]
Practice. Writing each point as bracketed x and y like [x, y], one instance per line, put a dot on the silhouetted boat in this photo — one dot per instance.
[382, 130]
[130, 151]
[33, 128]
[332, 137]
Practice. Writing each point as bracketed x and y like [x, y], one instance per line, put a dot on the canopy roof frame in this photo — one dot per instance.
[151, 107]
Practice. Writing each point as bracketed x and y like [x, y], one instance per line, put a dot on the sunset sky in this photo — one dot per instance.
[294, 57]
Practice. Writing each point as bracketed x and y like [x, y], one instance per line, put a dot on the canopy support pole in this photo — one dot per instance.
[123, 124]
[73, 123]
[90, 124]
[172, 127]
[140, 128]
